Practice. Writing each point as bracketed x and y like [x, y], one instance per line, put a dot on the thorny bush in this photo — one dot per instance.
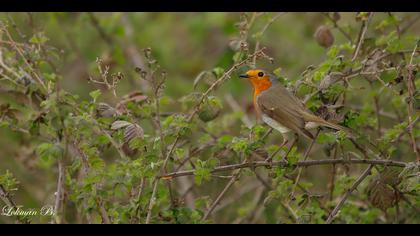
[148, 157]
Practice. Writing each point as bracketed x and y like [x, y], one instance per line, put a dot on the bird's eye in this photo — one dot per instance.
[260, 74]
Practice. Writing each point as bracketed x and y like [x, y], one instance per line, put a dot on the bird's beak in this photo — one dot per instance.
[245, 76]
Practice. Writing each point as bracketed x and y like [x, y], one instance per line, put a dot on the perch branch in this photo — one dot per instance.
[284, 164]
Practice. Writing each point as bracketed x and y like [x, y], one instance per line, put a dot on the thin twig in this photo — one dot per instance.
[333, 174]
[338, 27]
[104, 213]
[140, 195]
[232, 180]
[86, 169]
[22, 54]
[305, 157]
[59, 192]
[411, 89]
[8, 200]
[362, 36]
[99, 28]
[347, 194]
[409, 24]
[261, 33]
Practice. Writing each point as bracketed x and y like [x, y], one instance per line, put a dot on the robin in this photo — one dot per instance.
[280, 109]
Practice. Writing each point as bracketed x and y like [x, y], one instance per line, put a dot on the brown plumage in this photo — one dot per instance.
[282, 110]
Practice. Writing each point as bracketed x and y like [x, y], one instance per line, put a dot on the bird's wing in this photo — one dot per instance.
[289, 114]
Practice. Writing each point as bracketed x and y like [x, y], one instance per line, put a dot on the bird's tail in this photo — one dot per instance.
[316, 119]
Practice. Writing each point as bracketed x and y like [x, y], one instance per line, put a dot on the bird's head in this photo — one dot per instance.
[259, 79]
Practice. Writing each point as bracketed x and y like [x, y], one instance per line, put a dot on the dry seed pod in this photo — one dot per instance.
[381, 195]
[119, 124]
[261, 153]
[324, 37]
[133, 131]
[105, 110]
[128, 151]
[235, 44]
[390, 176]
[209, 112]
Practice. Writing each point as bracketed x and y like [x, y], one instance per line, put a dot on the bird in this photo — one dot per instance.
[282, 110]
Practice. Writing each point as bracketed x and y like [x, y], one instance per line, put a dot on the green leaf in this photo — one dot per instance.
[327, 138]
[277, 72]
[39, 38]
[8, 181]
[389, 76]
[332, 52]
[201, 174]
[95, 94]
[218, 71]
[239, 144]
[102, 139]
[50, 77]
[48, 154]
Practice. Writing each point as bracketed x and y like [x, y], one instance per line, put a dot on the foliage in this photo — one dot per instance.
[140, 117]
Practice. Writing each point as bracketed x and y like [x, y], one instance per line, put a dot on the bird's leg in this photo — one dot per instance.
[270, 158]
[290, 148]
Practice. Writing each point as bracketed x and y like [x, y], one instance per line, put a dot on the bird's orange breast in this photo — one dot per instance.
[260, 86]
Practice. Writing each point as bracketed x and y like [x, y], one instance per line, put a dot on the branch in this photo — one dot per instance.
[409, 24]
[222, 194]
[100, 30]
[196, 109]
[4, 195]
[86, 168]
[333, 174]
[305, 157]
[232, 180]
[338, 27]
[348, 192]
[411, 89]
[59, 192]
[362, 36]
[284, 164]
[261, 33]
[22, 54]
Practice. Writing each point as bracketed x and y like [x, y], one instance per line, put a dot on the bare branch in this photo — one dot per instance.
[348, 192]
[362, 36]
[284, 164]
[232, 180]
[59, 192]
[338, 27]
[305, 157]
[98, 27]
[411, 89]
